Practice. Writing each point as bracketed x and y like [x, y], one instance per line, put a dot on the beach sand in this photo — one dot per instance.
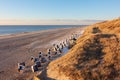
[20, 47]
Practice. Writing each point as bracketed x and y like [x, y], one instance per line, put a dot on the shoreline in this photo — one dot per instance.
[52, 28]
[2, 36]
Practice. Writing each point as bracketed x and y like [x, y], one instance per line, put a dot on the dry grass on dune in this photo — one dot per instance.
[108, 27]
[96, 56]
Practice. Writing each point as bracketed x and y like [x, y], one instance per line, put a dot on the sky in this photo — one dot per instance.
[57, 11]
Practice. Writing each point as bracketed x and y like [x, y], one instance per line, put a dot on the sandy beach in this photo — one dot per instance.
[20, 47]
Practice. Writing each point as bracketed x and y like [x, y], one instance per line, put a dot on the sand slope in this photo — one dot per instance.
[96, 56]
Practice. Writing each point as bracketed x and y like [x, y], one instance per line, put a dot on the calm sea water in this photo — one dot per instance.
[29, 28]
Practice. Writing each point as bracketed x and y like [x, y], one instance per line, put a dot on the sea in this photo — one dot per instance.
[13, 29]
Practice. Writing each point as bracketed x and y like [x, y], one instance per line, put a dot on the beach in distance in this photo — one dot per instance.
[20, 47]
[13, 29]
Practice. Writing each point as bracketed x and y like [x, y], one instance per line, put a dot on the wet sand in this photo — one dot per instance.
[20, 47]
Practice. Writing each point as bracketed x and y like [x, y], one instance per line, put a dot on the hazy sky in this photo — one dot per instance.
[57, 11]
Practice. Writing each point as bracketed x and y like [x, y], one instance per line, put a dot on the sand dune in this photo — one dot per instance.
[96, 56]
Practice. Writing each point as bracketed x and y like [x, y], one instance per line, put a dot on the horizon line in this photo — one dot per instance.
[49, 22]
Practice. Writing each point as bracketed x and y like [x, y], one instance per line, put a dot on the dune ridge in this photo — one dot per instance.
[95, 56]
